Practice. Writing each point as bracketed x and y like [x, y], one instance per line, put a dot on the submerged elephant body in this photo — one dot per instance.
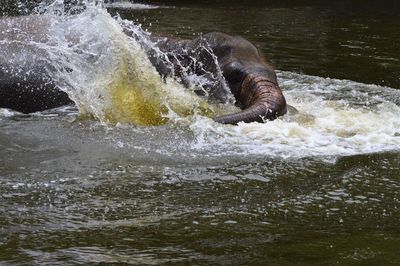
[25, 85]
[251, 80]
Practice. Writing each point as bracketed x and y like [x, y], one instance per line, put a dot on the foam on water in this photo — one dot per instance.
[7, 113]
[333, 117]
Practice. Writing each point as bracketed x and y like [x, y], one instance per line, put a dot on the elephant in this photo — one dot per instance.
[250, 78]
[25, 85]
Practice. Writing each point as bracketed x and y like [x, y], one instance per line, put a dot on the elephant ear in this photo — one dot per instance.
[261, 99]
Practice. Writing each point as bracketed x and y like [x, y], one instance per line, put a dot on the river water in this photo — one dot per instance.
[98, 184]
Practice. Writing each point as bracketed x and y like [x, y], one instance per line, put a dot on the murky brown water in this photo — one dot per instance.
[318, 188]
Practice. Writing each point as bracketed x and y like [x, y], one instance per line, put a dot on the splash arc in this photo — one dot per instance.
[26, 86]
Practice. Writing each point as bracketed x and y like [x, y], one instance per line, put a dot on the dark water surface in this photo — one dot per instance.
[344, 39]
[74, 191]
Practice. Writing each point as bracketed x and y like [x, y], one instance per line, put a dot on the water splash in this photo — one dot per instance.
[108, 74]
[103, 64]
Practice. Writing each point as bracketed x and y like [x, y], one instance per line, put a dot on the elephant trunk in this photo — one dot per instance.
[260, 98]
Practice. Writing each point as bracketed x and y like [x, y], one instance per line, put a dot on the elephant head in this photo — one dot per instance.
[251, 80]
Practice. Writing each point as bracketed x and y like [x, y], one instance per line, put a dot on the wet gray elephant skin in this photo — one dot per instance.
[25, 85]
[251, 80]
